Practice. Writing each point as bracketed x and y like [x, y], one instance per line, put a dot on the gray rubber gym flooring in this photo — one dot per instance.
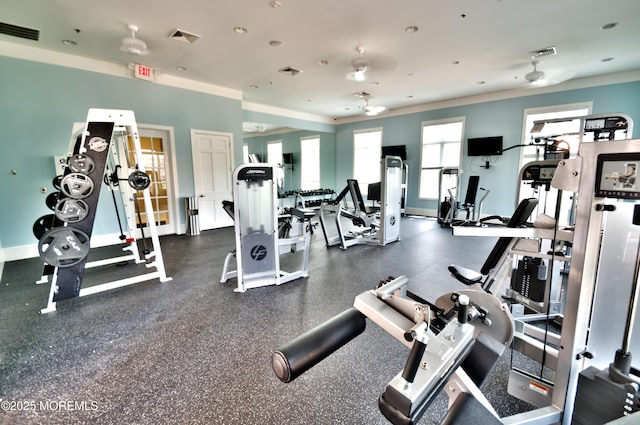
[193, 351]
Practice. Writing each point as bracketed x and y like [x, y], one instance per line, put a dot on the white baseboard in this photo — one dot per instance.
[421, 211]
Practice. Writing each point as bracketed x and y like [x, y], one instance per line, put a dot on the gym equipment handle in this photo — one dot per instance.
[302, 353]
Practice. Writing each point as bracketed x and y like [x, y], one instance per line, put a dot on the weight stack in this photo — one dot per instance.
[600, 400]
[529, 280]
[192, 219]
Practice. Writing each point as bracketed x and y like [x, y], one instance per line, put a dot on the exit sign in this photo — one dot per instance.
[143, 72]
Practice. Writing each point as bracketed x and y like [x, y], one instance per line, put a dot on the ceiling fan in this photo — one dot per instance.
[535, 75]
[538, 78]
[359, 65]
[371, 110]
[133, 45]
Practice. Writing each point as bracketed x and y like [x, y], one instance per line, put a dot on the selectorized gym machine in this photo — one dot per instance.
[259, 238]
[109, 138]
[346, 226]
[455, 342]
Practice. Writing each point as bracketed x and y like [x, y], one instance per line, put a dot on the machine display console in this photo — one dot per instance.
[616, 176]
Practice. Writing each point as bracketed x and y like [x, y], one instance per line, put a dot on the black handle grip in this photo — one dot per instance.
[302, 353]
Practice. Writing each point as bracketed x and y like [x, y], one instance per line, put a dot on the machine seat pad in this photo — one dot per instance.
[464, 275]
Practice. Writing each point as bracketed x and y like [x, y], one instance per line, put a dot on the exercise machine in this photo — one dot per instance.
[448, 184]
[260, 240]
[65, 246]
[588, 387]
[347, 226]
[454, 344]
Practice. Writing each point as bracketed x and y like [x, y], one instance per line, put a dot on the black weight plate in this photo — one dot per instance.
[42, 225]
[71, 210]
[63, 246]
[81, 163]
[56, 181]
[52, 200]
[139, 180]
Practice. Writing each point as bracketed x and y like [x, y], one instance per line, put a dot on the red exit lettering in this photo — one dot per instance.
[144, 71]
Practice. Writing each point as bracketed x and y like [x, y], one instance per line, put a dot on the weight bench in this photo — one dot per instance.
[499, 251]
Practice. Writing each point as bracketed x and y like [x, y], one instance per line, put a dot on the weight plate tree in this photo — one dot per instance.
[78, 186]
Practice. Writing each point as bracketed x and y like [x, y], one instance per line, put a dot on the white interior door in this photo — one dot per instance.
[212, 175]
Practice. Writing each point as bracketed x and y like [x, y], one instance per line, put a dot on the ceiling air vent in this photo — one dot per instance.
[290, 71]
[547, 51]
[184, 36]
[21, 32]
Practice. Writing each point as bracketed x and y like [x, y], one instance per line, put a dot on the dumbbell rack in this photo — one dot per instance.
[96, 142]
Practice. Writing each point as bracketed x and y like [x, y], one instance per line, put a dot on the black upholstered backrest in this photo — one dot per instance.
[472, 190]
[227, 206]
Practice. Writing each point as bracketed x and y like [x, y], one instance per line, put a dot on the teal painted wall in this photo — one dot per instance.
[503, 117]
[39, 104]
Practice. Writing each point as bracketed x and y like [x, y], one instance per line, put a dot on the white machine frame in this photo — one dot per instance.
[380, 230]
[124, 121]
[258, 245]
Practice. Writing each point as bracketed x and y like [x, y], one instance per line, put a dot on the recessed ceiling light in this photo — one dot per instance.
[410, 74]
[324, 62]
[308, 100]
[253, 86]
[181, 68]
[275, 4]
[481, 82]
[411, 28]
[375, 83]
[275, 43]
[410, 96]
[69, 43]
[455, 62]
[606, 59]
[609, 26]
[240, 30]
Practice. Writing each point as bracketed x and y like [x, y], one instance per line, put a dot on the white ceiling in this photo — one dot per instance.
[491, 40]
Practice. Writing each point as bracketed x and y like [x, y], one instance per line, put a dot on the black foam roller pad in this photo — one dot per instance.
[302, 353]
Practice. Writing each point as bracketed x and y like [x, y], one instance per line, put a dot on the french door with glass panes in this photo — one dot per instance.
[155, 147]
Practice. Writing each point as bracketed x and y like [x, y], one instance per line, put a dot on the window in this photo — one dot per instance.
[245, 153]
[557, 125]
[367, 150]
[441, 142]
[310, 163]
[274, 153]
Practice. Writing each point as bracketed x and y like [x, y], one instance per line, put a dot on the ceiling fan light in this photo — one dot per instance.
[359, 75]
[534, 76]
[373, 110]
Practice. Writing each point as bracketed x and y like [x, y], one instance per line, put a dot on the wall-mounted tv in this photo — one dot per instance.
[484, 146]
[287, 158]
[397, 150]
